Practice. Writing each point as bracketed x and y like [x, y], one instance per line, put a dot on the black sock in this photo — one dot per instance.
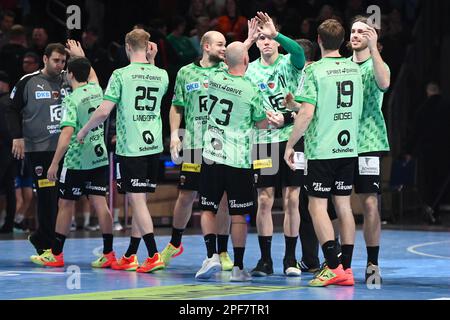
[107, 243]
[239, 257]
[265, 244]
[133, 247]
[176, 237]
[372, 255]
[150, 243]
[291, 243]
[58, 243]
[210, 241]
[222, 243]
[338, 246]
[331, 255]
[347, 253]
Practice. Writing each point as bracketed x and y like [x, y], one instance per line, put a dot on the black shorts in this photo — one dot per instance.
[304, 210]
[75, 183]
[215, 179]
[271, 170]
[331, 176]
[190, 170]
[137, 174]
[367, 173]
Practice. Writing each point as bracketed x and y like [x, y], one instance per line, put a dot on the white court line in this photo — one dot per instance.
[8, 273]
[413, 248]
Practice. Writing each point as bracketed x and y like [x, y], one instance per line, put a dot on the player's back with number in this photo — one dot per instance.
[339, 94]
[234, 106]
[138, 90]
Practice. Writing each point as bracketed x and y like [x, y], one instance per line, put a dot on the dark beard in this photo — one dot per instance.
[215, 59]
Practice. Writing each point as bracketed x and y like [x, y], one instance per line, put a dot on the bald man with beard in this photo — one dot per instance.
[190, 101]
[235, 107]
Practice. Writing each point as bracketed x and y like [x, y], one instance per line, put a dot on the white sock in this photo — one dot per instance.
[19, 218]
[116, 214]
[87, 218]
[73, 220]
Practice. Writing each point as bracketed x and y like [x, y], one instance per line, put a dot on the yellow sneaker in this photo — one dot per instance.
[48, 259]
[105, 260]
[151, 264]
[329, 276]
[170, 252]
[226, 262]
[126, 263]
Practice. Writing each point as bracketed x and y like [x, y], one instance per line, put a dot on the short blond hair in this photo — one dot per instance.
[137, 39]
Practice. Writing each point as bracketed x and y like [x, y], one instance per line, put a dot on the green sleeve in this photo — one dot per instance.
[69, 116]
[178, 96]
[307, 91]
[114, 90]
[292, 47]
[258, 112]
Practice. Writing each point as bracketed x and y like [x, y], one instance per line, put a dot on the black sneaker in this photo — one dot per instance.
[6, 229]
[307, 269]
[20, 227]
[291, 267]
[263, 268]
[34, 240]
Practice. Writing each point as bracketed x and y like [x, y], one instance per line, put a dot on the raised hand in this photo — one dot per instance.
[266, 25]
[74, 49]
[372, 37]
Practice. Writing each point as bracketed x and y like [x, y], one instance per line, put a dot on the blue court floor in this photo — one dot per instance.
[415, 266]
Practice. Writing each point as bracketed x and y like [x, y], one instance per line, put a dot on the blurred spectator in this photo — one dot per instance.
[201, 28]
[231, 23]
[31, 62]
[428, 144]
[394, 39]
[287, 17]
[39, 40]
[166, 57]
[307, 29]
[12, 53]
[7, 165]
[183, 47]
[196, 10]
[353, 9]
[325, 13]
[6, 22]
[97, 55]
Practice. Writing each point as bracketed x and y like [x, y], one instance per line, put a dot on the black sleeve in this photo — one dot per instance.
[14, 110]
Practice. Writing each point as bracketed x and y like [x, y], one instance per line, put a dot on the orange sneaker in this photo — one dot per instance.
[48, 259]
[328, 277]
[126, 263]
[350, 281]
[152, 264]
[105, 260]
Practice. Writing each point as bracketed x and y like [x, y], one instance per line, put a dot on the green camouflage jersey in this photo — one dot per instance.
[372, 127]
[191, 93]
[234, 105]
[274, 82]
[77, 109]
[137, 91]
[334, 87]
